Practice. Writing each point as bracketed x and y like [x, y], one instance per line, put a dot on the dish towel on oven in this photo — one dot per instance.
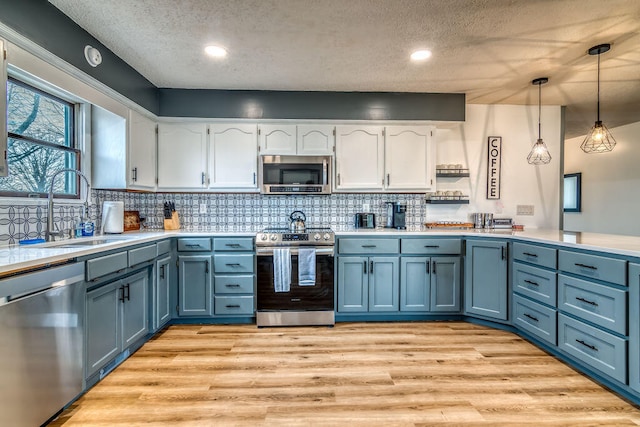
[307, 266]
[282, 270]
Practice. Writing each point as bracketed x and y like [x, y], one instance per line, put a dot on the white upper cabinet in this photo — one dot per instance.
[233, 157]
[142, 152]
[277, 139]
[409, 158]
[316, 140]
[306, 140]
[182, 156]
[359, 158]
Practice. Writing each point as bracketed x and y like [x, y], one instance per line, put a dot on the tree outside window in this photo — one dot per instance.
[40, 143]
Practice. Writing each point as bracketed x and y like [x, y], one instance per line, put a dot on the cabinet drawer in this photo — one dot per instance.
[544, 257]
[233, 305]
[164, 247]
[145, 253]
[194, 245]
[368, 246]
[594, 266]
[431, 246]
[535, 283]
[233, 263]
[596, 348]
[104, 265]
[233, 284]
[233, 244]
[536, 319]
[602, 305]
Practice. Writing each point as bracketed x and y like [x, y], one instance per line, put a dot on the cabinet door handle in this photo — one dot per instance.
[203, 178]
[206, 268]
[502, 252]
[121, 297]
[128, 297]
[365, 267]
[434, 267]
[530, 254]
[254, 178]
[589, 346]
[370, 267]
[162, 271]
[338, 179]
[388, 180]
[535, 319]
[428, 267]
[531, 282]
[134, 172]
[593, 303]
[590, 267]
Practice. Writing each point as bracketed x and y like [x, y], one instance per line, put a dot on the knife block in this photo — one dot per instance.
[173, 223]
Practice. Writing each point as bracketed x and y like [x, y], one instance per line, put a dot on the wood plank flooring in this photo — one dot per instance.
[391, 374]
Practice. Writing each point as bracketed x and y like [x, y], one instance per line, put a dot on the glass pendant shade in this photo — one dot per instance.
[599, 139]
[539, 154]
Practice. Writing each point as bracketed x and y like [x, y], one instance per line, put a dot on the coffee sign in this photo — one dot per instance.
[493, 167]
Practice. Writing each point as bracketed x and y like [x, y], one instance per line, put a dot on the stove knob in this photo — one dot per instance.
[274, 237]
[316, 236]
[263, 237]
[327, 236]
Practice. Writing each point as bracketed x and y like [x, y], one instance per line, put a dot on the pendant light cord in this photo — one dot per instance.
[539, 106]
[598, 87]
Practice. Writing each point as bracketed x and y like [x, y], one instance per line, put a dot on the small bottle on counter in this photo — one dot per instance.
[79, 227]
[88, 228]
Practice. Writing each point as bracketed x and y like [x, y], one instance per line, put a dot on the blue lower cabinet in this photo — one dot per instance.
[445, 284]
[599, 349]
[233, 305]
[195, 285]
[368, 284]
[486, 288]
[415, 283]
[536, 319]
[634, 326]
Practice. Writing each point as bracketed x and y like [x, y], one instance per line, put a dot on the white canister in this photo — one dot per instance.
[112, 217]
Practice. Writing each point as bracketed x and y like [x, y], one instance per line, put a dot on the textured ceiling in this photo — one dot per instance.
[488, 49]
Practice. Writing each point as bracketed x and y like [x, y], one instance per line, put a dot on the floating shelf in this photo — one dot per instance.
[448, 202]
[452, 173]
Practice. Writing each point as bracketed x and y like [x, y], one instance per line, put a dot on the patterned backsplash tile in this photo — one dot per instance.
[224, 212]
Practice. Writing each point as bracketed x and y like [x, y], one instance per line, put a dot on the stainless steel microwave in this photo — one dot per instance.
[295, 174]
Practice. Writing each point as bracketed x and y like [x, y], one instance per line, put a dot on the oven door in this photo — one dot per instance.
[299, 298]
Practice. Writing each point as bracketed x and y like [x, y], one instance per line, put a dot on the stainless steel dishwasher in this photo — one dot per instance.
[41, 343]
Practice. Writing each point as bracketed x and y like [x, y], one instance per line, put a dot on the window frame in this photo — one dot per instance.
[577, 199]
[70, 126]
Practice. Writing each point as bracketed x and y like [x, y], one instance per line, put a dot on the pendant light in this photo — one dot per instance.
[599, 139]
[539, 154]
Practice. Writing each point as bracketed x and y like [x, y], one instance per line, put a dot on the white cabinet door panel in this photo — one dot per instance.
[233, 156]
[359, 158]
[142, 151]
[182, 154]
[277, 139]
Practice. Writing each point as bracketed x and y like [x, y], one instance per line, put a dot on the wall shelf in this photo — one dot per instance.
[448, 202]
[452, 173]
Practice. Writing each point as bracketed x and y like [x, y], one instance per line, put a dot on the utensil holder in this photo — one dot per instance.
[173, 223]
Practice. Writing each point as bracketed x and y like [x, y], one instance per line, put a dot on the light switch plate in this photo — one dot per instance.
[525, 210]
[366, 207]
[203, 208]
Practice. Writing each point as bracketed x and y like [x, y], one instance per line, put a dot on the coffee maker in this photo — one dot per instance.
[396, 212]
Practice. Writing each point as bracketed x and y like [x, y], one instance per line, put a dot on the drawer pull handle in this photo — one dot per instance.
[232, 285]
[530, 254]
[295, 300]
[593, 303]
[368, 246]
[531, 282]
[233, 245]
[589, 346]
[193, 245]
[590, 267]
[535, 319]
[234, 264]
[232, 306]
[432, 246]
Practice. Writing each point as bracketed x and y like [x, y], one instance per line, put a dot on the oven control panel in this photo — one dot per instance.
[320, 237]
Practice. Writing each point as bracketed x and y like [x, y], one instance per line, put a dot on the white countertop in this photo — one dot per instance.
[16, 258]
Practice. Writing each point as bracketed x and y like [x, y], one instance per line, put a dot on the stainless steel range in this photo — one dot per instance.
[295, 277]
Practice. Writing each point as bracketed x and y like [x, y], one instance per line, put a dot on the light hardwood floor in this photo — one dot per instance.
[391, 374]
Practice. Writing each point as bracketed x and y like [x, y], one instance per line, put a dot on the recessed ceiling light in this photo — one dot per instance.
[216, 51]
[421, 55]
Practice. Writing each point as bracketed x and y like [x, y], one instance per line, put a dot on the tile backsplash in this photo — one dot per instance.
[234, 212]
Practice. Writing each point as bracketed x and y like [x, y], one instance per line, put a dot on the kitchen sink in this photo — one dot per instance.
[82, 242]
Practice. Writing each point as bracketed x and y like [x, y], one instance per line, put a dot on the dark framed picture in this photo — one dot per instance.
[572, 192]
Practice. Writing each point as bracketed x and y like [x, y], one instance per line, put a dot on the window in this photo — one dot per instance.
[40, 142]
[572, 190]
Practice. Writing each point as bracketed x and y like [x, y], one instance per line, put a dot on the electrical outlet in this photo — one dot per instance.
[203, 208]
[524, 210]
[366, 207]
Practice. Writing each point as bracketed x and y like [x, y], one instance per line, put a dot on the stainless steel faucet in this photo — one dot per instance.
[50, 235]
